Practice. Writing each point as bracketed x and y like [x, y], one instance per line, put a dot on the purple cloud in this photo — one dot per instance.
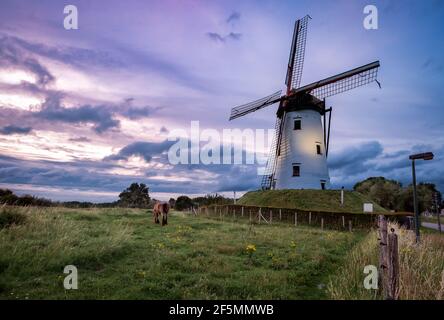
[15, 130]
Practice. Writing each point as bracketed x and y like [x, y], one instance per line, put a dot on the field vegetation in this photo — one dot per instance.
[421, 268]
[121, 254]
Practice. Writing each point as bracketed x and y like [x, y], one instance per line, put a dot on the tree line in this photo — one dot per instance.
[135, 196]
[389, 194]
[392, 195]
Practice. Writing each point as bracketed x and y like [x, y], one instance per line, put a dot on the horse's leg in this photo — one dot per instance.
[156, 218]
[163, 219]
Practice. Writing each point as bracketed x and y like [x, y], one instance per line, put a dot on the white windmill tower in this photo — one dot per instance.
[298, 157]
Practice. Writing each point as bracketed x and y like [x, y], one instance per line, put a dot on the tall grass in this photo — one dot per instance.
[47, 240]
[421, 268]
[122, 254]
[10, 217]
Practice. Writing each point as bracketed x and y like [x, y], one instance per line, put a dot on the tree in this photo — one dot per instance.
[210, 199]
[135, 196]
[391, 195]
[183, 202]
[7, 196]
[424, 192]
[381, 190]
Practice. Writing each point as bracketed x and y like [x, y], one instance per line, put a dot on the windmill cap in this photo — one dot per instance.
[301, 101]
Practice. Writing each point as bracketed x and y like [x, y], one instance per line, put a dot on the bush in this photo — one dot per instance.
[182, 203]
[10, 216]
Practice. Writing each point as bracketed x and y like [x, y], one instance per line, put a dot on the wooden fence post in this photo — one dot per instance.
[271, 216]
[242, 211]
[350, 225]
[322, 223]
[250, 214]
[309, 218]
[382, 224]
[280, 214]
[393, 266]
[295, 219]
[259, 215]
[343, 222]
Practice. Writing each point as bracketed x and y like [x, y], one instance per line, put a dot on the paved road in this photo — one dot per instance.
[432, 225]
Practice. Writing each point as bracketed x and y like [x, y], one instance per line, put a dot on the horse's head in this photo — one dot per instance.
[165, 207]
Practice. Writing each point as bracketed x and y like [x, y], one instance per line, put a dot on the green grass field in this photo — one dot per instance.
[121, 254]
[314, 200]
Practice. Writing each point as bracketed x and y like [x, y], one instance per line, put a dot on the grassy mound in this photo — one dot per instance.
[315, 200]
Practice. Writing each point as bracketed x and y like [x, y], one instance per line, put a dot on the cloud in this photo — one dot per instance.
[100, 116]
[215, 37]
[80, 139]
[15, 130]
[432, 64]
[69, 55]
[369, 159]
[12, 55]
[234, 17]
[146, 150]
[353, 160]
[135, 113]
[234, 36]
[219, 38]
[230, 181]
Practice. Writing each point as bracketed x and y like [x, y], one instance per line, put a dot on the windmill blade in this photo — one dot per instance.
[297, 54]
[244, 109]
[267, 178]
[343, 82]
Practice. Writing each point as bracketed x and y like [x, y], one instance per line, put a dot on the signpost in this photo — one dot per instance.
[413, 157]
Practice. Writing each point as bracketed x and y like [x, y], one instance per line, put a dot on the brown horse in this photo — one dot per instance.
[161, 209]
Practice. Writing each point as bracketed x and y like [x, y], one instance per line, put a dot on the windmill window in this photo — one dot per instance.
[318, 149]
[296, 170]
[323, 184]
[297, 124]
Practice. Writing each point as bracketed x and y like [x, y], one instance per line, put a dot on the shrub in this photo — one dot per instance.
[10, 216]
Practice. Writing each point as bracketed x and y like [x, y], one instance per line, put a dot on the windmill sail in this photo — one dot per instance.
[342, 82]
[267, 178]
[297, 54]
[255, 105]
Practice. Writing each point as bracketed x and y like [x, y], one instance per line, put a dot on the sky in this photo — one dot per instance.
[86, 112]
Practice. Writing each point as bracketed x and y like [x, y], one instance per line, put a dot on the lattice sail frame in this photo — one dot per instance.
[297, 54]
[268, 175]
[244, 109]
[346, 84]
[343, 82]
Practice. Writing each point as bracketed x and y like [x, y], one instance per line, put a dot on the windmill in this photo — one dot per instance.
[298, 156]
